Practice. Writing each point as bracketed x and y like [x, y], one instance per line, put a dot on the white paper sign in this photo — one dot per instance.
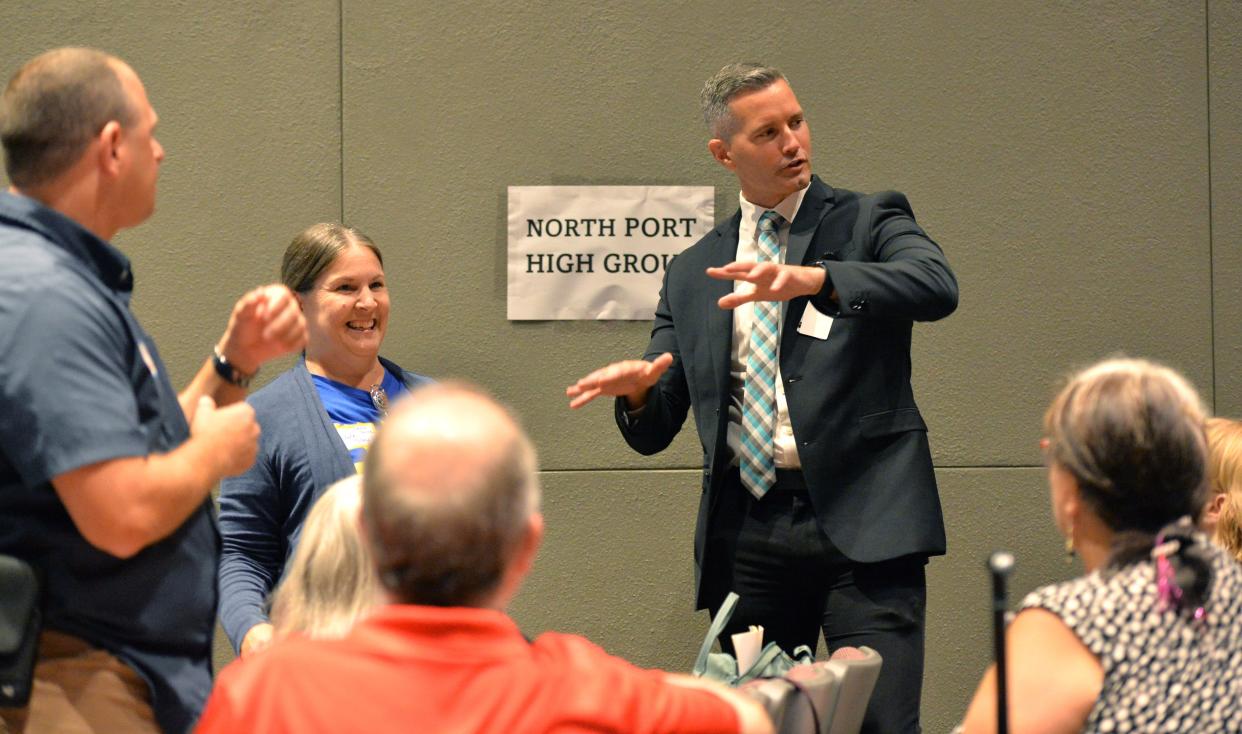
[598, 252]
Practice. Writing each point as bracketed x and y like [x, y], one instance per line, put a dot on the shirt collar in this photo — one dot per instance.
[453, 633]
[107, 263]
[787, 208]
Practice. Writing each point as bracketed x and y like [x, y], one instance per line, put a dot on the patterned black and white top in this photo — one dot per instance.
[1163, 672]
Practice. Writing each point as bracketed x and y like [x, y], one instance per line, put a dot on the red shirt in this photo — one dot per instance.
[466, 671]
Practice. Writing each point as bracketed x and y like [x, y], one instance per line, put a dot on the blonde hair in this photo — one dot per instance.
[330, 581]
[1225, 476]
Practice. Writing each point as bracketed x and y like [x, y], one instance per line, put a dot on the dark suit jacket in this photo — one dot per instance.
[861, 439]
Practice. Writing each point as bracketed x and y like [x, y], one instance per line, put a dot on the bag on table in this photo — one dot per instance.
[773, 662]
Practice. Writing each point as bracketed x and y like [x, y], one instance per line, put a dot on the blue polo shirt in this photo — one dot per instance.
[80, 383]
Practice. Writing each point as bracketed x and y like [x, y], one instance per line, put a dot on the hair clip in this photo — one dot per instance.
[1169, 593]
[1165, 548]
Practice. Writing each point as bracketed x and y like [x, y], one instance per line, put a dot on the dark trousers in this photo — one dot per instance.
[795, 582]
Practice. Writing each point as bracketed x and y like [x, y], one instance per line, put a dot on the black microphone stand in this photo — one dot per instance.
[1000, 564]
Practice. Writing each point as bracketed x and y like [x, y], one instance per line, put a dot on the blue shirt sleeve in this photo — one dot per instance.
[65, 378]
[252, 546]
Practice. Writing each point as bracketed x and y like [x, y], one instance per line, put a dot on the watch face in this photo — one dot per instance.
[228, 372]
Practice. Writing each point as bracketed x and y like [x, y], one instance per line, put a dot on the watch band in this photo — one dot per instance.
[228, 372]
[823, 264]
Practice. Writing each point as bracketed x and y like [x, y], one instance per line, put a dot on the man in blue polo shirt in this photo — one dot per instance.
[105, 471]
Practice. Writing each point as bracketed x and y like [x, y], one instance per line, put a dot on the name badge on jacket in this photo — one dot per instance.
[814, 324]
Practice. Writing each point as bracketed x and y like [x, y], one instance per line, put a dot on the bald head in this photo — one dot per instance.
[450, 487]
[54, 106]
[446, 439]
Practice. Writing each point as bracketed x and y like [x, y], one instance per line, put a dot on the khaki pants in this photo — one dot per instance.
[80, 689]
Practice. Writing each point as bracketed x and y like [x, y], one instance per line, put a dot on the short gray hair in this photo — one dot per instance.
[53, 107]
[443, 532]
[729, 82]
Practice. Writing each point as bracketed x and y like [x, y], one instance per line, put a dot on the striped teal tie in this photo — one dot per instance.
[758, 467]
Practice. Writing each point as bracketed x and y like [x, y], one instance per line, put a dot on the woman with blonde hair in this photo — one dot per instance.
[1151, 638]
[330, 581]
[1223, 517]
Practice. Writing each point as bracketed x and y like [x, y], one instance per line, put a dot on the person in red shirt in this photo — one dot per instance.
[451, 513]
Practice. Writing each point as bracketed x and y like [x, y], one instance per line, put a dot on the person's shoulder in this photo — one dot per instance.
[868, 201]
[275, 395]
[588, 669]
[34, 251]
[697, 256]
[1100, 593]
[48, 300]
[410, 379]
[1057, 597]
[414, 380]
[261, 690]
[886, 201]
[33, 264]
[570, 650]
[1227, 578]
[723, 228]
[563, 641]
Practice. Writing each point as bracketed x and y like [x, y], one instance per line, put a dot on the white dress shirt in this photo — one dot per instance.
[786, 448]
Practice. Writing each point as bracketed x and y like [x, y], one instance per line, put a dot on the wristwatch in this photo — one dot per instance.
[228, 372]
[823, 264]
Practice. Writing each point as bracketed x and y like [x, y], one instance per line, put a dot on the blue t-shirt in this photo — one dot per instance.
[354, 413]
[81, 383]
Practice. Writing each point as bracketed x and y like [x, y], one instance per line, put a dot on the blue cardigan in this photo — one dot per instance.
[261, 511]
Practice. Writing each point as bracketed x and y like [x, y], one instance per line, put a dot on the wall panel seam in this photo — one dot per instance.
[340, 102]
[1207, 74]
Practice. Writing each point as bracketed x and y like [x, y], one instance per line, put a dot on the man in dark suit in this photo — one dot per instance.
[787, 331]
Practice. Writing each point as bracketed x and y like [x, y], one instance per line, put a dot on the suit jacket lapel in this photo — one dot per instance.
[815, 205]
[720, 321]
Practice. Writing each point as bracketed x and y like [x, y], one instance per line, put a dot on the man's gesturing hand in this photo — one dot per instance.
[630, 378]
[772, 281]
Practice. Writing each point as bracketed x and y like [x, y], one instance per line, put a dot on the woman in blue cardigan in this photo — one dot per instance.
[317, 419]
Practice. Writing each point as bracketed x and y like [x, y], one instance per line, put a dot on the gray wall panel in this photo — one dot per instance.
[1225, 66]
[1064, 177]
[1059, 153]
[248, 98]
[617, 564]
